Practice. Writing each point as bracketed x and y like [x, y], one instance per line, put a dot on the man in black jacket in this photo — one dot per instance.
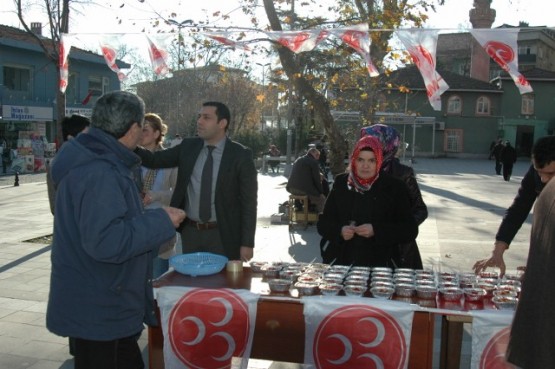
[306, 179]
[540, 172]
[508, 158]
[230, 225]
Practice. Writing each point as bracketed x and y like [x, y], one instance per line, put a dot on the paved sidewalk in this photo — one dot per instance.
[465, 200]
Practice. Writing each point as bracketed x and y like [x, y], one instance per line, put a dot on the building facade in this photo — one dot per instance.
[28, 88]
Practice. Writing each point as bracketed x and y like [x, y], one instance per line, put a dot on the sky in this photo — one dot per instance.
[136, 15]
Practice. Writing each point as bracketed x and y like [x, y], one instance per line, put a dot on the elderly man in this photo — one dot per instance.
[306, 179]
[104, 240]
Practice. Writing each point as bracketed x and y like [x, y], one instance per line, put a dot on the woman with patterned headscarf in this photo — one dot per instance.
[367, 213]
[409, 255]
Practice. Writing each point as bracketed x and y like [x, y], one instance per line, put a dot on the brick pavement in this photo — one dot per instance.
[465, 200]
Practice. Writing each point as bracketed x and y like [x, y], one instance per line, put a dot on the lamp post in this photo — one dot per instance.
[263, 90]
[179, 26]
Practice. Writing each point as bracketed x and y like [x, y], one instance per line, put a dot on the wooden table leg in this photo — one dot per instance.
[451, 341]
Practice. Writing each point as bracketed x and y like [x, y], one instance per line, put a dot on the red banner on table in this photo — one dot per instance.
[206, 328]
[490, 337]
[347, 333]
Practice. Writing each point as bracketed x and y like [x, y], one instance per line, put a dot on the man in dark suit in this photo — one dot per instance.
[230, 226]
[306, 179]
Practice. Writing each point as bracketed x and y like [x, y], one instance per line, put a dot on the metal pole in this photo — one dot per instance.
[287, 170]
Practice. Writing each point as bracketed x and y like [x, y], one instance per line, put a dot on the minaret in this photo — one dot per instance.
[481, 16]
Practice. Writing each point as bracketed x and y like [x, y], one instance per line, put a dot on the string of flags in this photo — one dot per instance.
[420, 43]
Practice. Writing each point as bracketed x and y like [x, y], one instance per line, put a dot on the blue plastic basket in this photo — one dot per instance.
[199, 263]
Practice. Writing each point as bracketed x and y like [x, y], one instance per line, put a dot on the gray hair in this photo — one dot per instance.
[116, 111]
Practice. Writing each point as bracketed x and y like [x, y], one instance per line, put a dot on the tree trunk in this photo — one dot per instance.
[338, 146]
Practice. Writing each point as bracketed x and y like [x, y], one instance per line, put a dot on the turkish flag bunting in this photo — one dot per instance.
[225, 38]
[490, 337]
[299, 41]
[109, 53]
[358, 38]
[158, 56]
[351, 332]
[421, 45]
[501, 46]
[206, 328]
[66, 42]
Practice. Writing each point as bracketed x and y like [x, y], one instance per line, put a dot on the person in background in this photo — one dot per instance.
[71, 127]
[508, 158]
[229, 227]
[104, 239]
[409, 255]
[274, 152]
[532, 338]
[368, 212]
[306, 179]
[540, 172]
[497, 155]
[158, 184]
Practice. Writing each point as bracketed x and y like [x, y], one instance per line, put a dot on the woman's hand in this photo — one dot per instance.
[365, 230]
[348, 232]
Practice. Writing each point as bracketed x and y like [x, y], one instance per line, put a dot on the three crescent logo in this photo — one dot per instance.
[206, 328]
[359, 336]
[493, 356]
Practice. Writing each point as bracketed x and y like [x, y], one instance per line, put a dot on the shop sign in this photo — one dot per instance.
[86, 112]
[27, 113]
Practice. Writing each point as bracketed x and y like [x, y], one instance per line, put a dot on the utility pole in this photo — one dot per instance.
[262, 121]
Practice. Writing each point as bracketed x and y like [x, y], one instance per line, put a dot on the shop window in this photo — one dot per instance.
[453, 141]
[527, 107]
[454, 105]
[483, 106]
[17, 78]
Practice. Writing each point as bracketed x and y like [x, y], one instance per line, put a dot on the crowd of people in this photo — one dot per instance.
[123, 204]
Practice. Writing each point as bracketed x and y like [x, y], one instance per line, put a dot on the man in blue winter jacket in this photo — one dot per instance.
[104, 241]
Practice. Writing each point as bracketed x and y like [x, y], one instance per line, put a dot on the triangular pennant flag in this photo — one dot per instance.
[501, 46]
[66, 42]
[109, 53]
[421, 45]
[206, 328]
[158, 56]
[358, 38]
[224, 38]
[299, 41]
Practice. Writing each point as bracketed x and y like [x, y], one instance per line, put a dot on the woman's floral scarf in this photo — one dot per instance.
[390, 140]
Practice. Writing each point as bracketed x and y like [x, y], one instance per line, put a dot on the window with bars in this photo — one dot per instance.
[527, 107]
[453, 140]
[483, 106]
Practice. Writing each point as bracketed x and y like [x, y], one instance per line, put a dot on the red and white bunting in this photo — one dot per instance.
[490, 337]
[346, 332]
[110, 55]
[358, 38]
[299, 41]
[421, 45]
[66, 42]
[158, 54]
[225, 38]
[501, 46]
[206, 328]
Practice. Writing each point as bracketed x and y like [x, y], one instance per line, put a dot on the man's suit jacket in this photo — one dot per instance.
[236, 188]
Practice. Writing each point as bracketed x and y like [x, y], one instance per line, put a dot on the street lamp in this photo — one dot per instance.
[179, 26]
[263, 90]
